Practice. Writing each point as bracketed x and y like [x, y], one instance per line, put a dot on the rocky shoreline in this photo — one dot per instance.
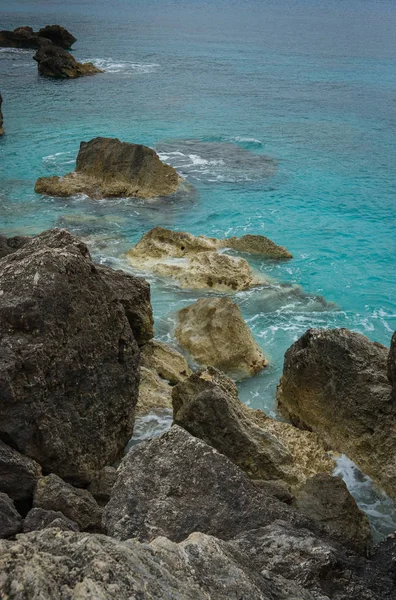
[227, 504]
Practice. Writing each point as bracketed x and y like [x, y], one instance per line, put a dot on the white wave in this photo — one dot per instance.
[112, 66]
[16, 51]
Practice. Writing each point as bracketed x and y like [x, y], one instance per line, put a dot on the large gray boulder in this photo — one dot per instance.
[69, 362]
[335, 383]
[10, 519]
[18, 474]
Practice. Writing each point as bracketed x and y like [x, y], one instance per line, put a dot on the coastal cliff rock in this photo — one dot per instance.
[18, 474]
[38, 519]
[335, 383]
[215, 334]
[58, 35]
[1, 116]
[196, 261]
[25, 37]
[53, 61]
[207, 405]
[69, 363]
[107, 167]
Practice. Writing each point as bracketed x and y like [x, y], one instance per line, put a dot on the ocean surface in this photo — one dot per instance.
[214, 86]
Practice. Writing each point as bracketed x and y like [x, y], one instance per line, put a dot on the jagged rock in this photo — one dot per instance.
[335, 383]
[195, 261]
[327, 500]
[52, 493]
[101, 486]
[134, 295]
[38, 519]
[53, 61]
[69, 364]
[165, 361]
[58, 35]
[176, 484]
[22, 37]
[9, 245]
[1, 116]
[154, 393]
[18, 474]
[10, 519]
[207, 405]
[107, 167]
[215, 334]
[392, 366]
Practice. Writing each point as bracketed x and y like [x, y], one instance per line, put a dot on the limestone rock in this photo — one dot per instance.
[54, 494]
[176, 484]
[165, 361]
[215, 334]
[38, 519]
[154, 393]
[10, 519]
[335, 383]
[1, 117]
[101, 486]
[327, 500]
[392, 366]
[58, 35]
[207, 405]
[69, 363]
[107, 167]
[22, 37]
[18, 474]
[53, 61]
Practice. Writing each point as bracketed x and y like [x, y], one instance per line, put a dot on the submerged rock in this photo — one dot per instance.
[18, 474]
[107, 167]
[10, 519]
[207, 405]
[215, 334]
[256, 244]
[38, 519]
[335, 383]
[69, 363]
[58, 35]
[53, 61]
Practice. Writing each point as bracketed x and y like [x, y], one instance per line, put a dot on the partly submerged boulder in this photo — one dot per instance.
[256, 244]
[69, 363]
[215, 333]
[335, 383]
[107, 167]
[18, 474]
[58, 35]
[207, 405]
[53, 61]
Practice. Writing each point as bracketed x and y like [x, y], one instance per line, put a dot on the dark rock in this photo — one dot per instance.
[54, 61]
[107, 167]
[392, 366]
[279, 489]
[22, 37]
[335, 383]
[69, 364]
[18, 474]
[327, 500]
[102, 484]
[10, 519]
[78, 505]
[38, 519]
[134, 295]
[58, 35]
[9, 245]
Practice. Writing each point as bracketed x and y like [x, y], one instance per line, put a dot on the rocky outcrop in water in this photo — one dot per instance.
[1, 117]
[69, 364]
[53, 61]
[335, 383]
[58, 35]
[215, 334]
[207, 405]
[25, 37]
[107, 167]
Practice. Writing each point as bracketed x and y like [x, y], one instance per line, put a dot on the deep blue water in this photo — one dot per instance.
[310, 83]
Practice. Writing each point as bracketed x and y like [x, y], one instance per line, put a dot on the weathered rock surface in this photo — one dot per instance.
[107, 167]
[58, 35]
[165, 361]
[327, 500]
[10, 519]
[22, 37]
[52, 493]
[18, 474]
[154, 393]
[53, 61]
[102, 484]
[1, 116]
[176, 484]
[38, 519]
[207, 405]
[335, 383]
[215, 334]
[69, 363]
[392, 366]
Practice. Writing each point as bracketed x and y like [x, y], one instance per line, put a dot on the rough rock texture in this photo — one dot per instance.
[58, 35]
[176, 484]
[327, 500]
[107, 167]
[18, 474]
[215, 334]
[154, 393]
[69, 364]
[392, 366]
[335, 383]
[38, 519]
[256, 244]
[136, 300]
[101, 486]
[207, 405]
[22, 37]
[52, 493]
[53, 61]
[165, 361]
[1, 116]
[9, 245]
[10, 519]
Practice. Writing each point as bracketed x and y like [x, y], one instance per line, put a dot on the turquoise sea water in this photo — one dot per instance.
[211, 85]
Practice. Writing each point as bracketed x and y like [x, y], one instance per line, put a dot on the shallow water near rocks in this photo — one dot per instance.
[282, 115]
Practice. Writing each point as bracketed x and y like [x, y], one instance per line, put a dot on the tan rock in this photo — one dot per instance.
[154, 393]
[215, 334]
[165, 361]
